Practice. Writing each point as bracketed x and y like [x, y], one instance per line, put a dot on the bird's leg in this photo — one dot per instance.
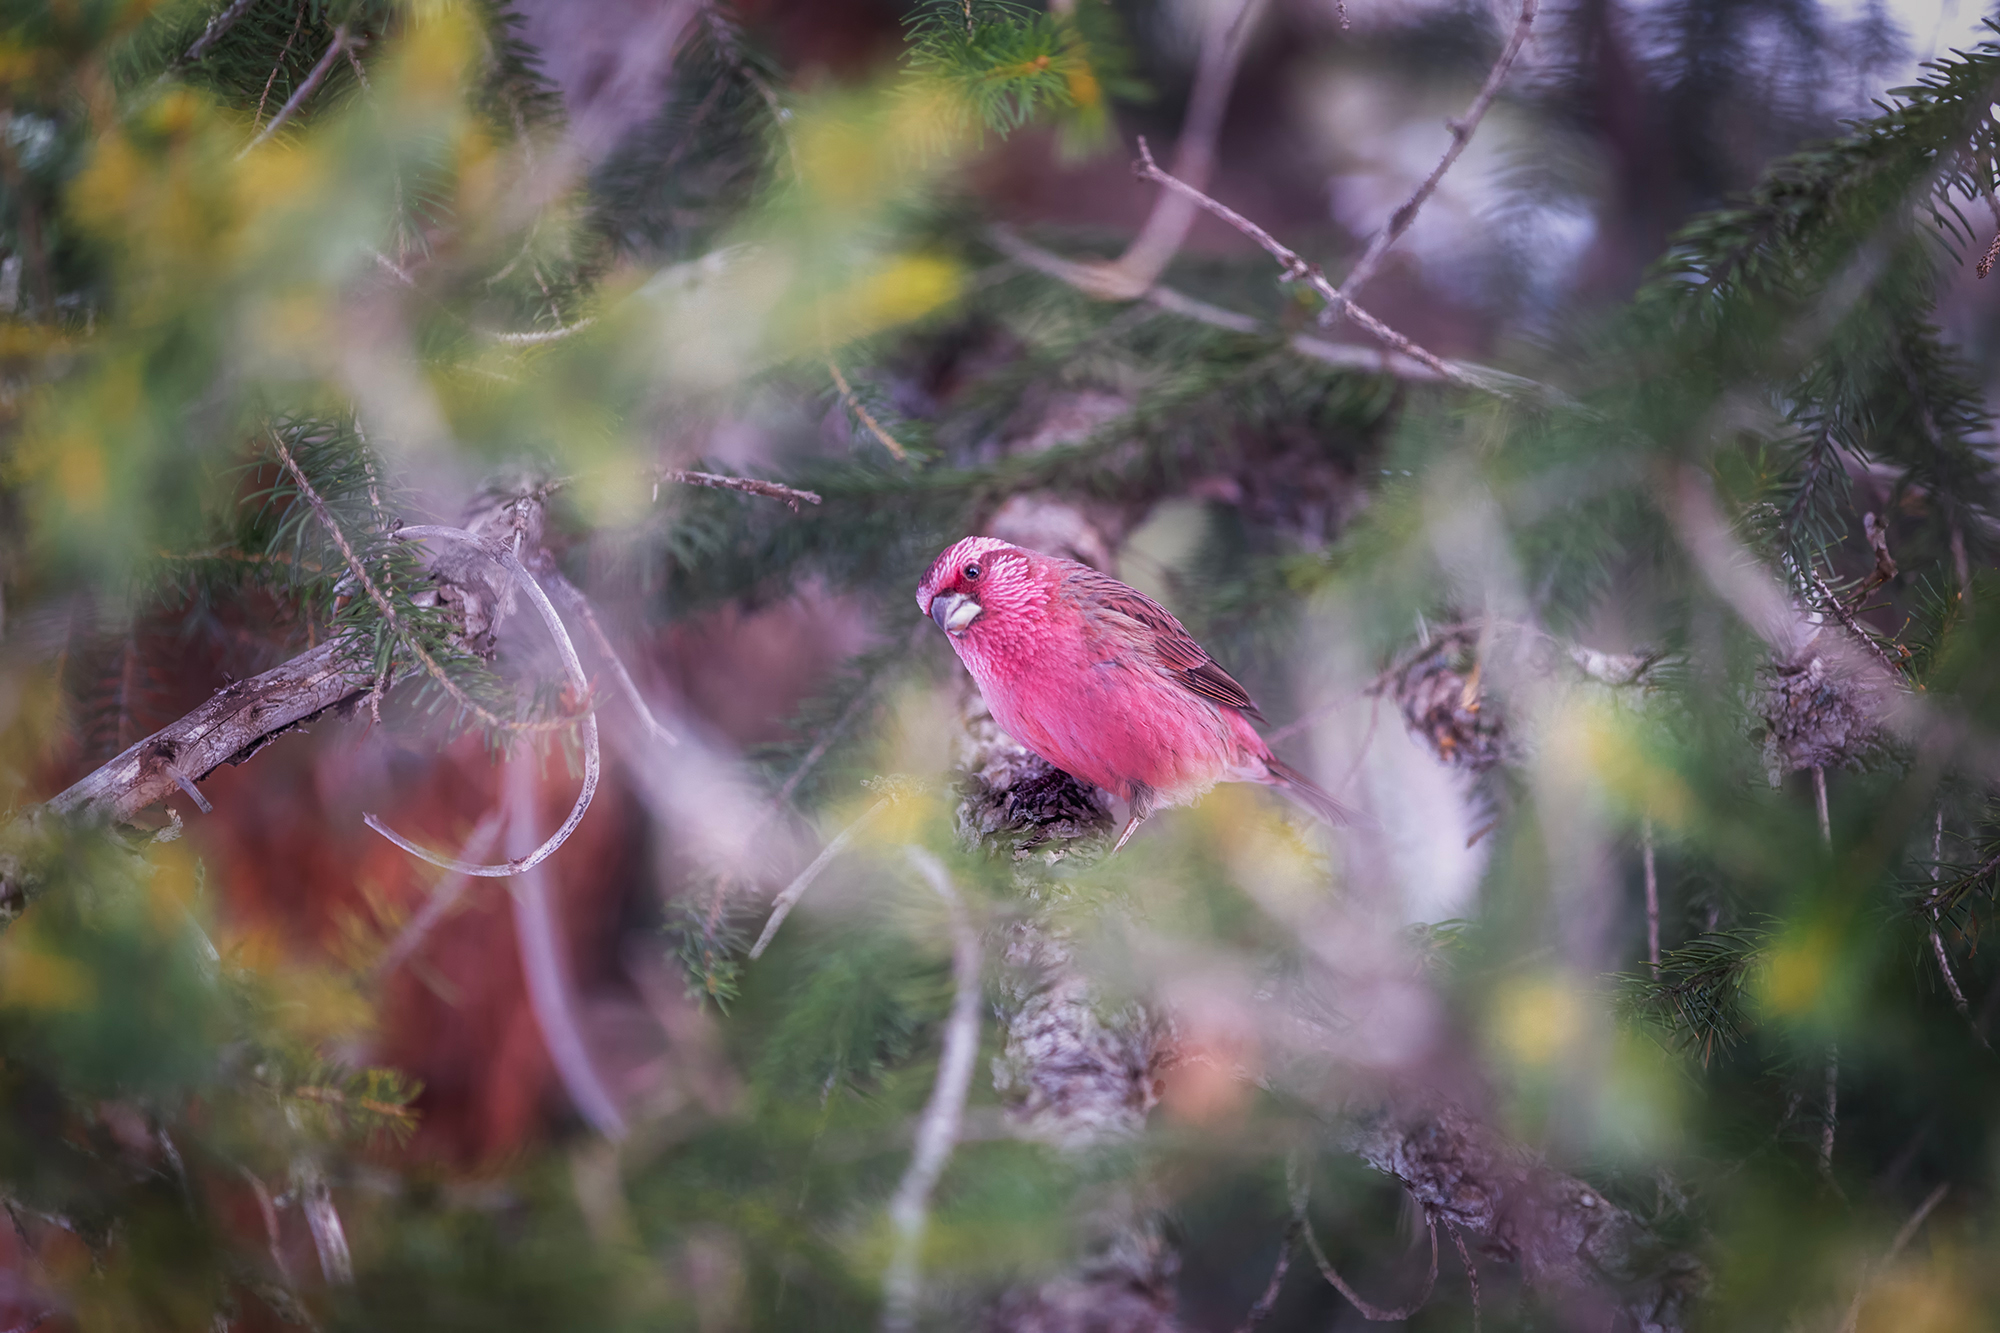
[1142, 806]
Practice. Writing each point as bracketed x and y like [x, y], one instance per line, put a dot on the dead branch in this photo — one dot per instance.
[867, 418]
[1904, 1235]
[1166, 226]
[235, 723]
[580, 607]
[592, 760]
[215, 28]
[938, 1129]
[1369, 1311]
[1461, 134]
[1261, 1310]
[443, 898]
[1296, 269]
[302, 92]
[791, 495]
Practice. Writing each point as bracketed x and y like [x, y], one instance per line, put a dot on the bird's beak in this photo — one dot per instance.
[954, 611]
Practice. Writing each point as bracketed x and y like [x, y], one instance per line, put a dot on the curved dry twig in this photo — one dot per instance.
[1461, 134]
[1369, 1311]
[592, 761]
[944, 1113]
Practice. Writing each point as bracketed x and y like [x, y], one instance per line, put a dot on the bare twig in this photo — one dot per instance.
[867, 418]
[550, 992]
[1461, 134]
[581, 683]
[1369, 1311]
[1826, 1132]
[1937, 940]
[1904, 1235]
[1846, 618]
[302, 92]
[1267, 1302]
[580, 606]
[187, 785]
[938, 1128]
[791, 495]
[1652, 895]
[269, 1213]
[1471, 1270]
[1166, 227]
[443, 898]
[537, 336]
[782, 905]
[216, 27]
[1296, 269]
[336, 1264]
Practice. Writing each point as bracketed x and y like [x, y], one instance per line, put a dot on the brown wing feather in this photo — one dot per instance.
[1186, 661]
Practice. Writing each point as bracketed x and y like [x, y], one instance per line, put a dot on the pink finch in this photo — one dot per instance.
[1101, 681]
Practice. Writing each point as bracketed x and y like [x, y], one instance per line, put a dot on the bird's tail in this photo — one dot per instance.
[1308, 793]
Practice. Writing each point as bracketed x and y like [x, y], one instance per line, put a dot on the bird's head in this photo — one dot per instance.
[971, 579]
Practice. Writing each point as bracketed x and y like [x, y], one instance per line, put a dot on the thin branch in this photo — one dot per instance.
[1471, 1270]
[1371, 1312]
[1937, 940]
[1296, 269]
[1373, 360]
[538, 336]
[1267, 1302]
[1904, 1235]
[216, 27]
[580, 606]
[938, 1129]
[1461, 134]
[551, 994]
[781, 906]
[336, 1263]
[1652, 895]
[591, 759]
[443, 898]
[187, 785]
[882, 437]
[791, 495]
[1166, 226]
[230, 726]
[303, 91]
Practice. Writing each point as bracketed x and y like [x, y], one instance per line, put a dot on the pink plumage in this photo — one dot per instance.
[1101, 680]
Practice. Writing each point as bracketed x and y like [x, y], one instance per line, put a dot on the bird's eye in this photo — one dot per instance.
[972, 571]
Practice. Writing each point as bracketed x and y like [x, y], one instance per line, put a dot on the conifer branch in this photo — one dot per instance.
[375, 595]
[1461, 135]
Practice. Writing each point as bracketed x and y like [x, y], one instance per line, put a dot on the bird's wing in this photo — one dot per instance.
[1176, 651]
